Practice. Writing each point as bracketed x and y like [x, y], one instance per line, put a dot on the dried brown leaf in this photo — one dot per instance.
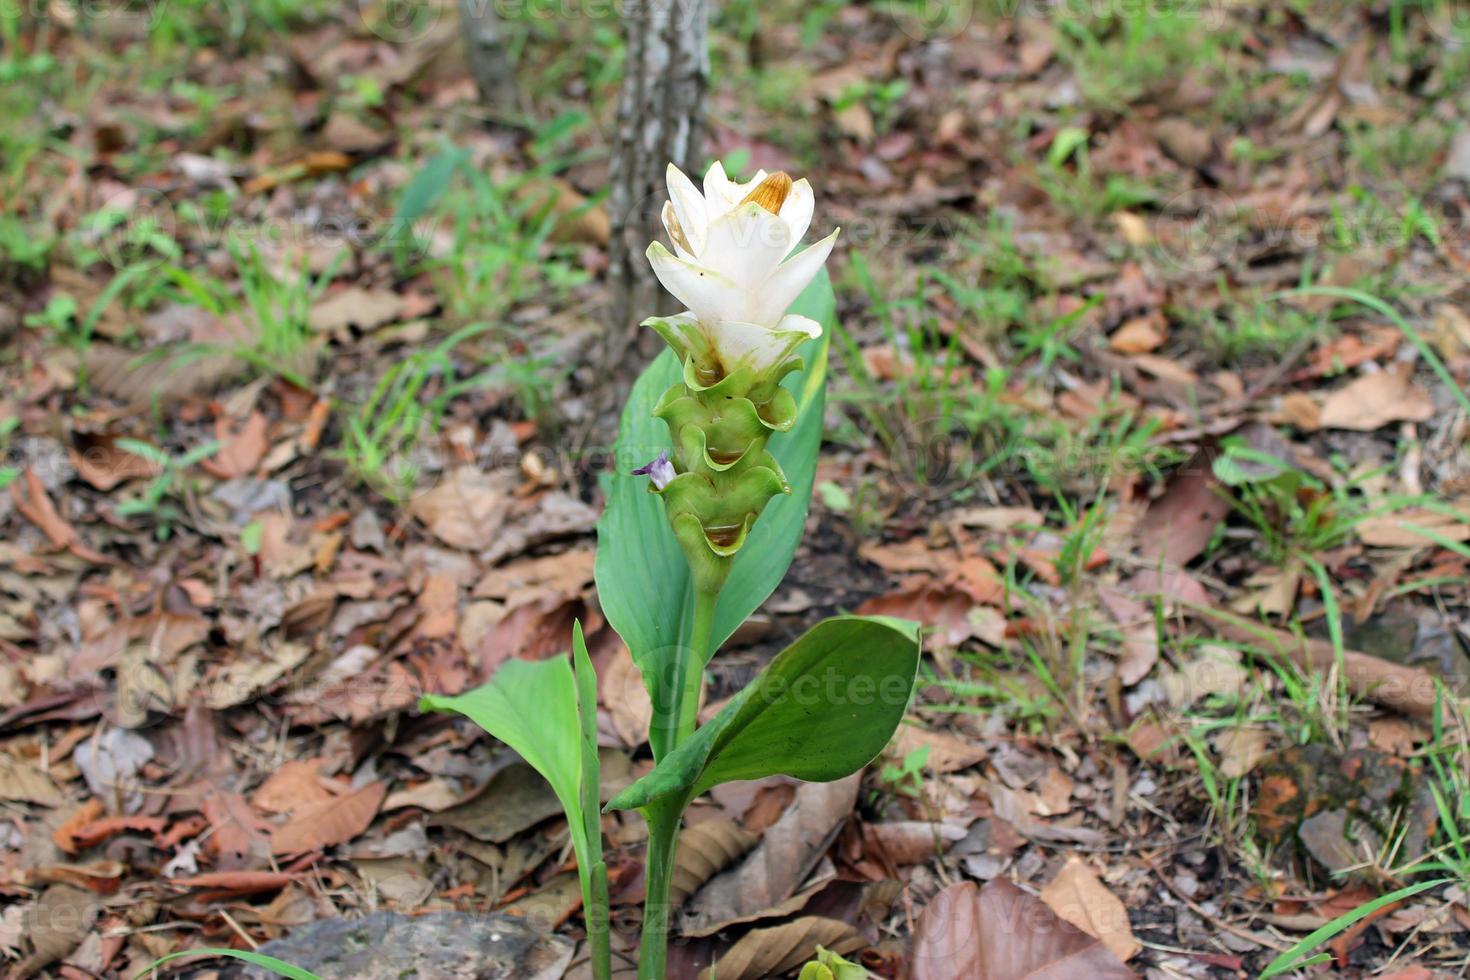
[780, 949]
[465, 510]
[1077, 896]
[1002, 933]
[1374, 400]
[772, 872]
[705, 850]
[329, 822]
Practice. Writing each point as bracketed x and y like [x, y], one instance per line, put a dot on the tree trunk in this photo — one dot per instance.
[490, 65]
[660, 121]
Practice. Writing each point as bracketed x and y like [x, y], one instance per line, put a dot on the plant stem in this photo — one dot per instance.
[663, 818]
[691, 676]
[599, 933]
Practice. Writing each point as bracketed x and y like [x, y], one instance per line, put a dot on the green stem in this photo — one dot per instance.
[664, 817]
[691, 676]
[599, 932]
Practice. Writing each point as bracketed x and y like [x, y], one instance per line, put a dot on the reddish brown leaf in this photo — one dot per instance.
[330, 822]
[1002, 933]
[1181, 522]
[242, 447]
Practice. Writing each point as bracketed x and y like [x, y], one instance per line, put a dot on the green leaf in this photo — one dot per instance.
[643, 582]
[280, 967]
[1292, 958]
[821, 710]
[532, 707]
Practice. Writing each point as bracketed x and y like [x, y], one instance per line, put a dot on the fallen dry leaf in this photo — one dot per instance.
[21, 782]
[771, 873]
[241, 447]
[1139, 335]
[1078, 897]
[1416, 528]
[465, 510]
[947, 753]
[780, 949]
[329, 822]
[365, 309]
[1180, 523]
[61, 918]
[1000, 932]
[1374, 400]
[1239, 750]
[706, 849]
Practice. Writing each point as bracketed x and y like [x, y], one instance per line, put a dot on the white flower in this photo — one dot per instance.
[730, 265]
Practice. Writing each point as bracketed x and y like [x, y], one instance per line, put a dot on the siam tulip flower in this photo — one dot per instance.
[730, 267]
[659, 472]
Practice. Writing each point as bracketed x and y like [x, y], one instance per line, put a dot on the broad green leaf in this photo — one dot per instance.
[643, 582]
[821, 710]
[281, 967]
[532, 707]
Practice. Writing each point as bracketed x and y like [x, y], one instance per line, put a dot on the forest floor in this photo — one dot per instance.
[1148, 398]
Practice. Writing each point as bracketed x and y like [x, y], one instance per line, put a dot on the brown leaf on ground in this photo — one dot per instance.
[365, 309]
[465, 510]
[21, 782]
[61, 918]
[945, 608]
[295, 784]
[1180, 523]
[136, 380]
[1002, 933]
[626, 699]
[576, 220]
[329, 822]
[772, 872]
[65, 835]
[1077, 896]
[1407, 528]
[103, 465]
[1140, 335]
[31, 499]
[1374, 400]
[780, 949]
[242, 447]
[947, 753]
[237, 838]
[705, 850]
[1140, 634]
[534, 579]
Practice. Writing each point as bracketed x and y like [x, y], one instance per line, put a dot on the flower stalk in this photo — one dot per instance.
[734, 268]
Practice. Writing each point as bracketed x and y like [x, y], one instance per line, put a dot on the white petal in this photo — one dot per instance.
[689, 208]
[716, 187]
[747, 245]
[739, 344]
[721, 194]
[790, 279]
[711, 296]
[795, 322]
[797, 211]
[676, 231]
